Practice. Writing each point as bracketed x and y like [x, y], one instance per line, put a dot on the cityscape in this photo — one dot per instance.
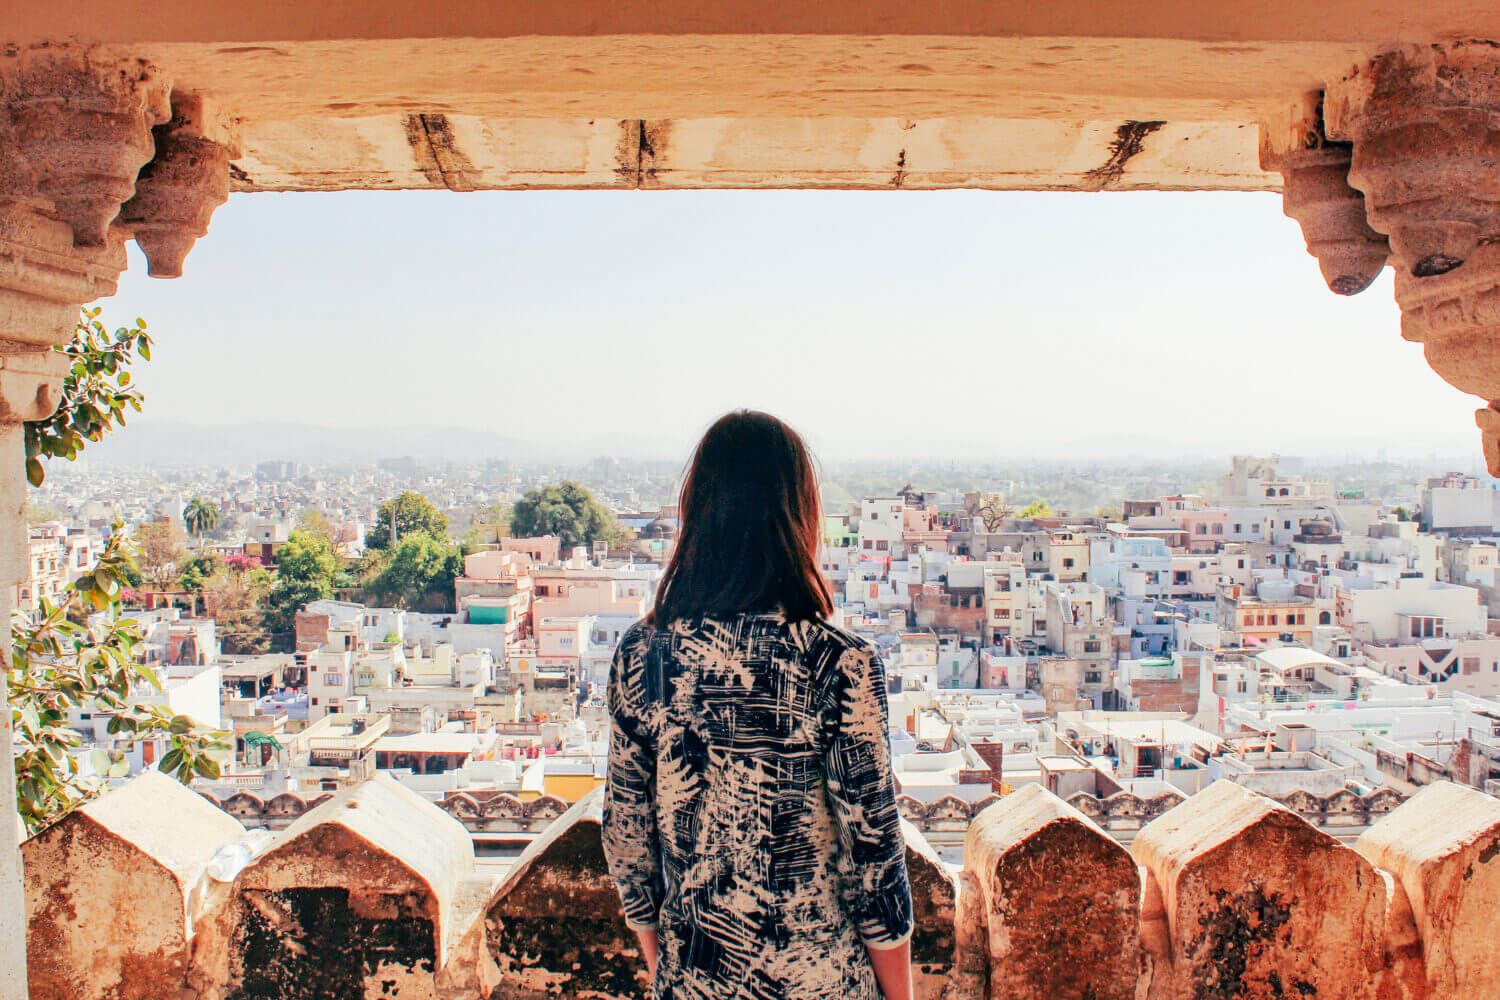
[1125, 639]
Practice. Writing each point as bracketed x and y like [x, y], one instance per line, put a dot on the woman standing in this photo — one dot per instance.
[750, 816]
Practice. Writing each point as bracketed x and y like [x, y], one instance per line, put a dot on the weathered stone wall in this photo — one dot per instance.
[373, 893]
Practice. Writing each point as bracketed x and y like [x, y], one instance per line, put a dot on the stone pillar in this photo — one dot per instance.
[372, 893]
[1058, 902]
[1258, 903]
[115, 893]
[75, 130]
[555, 926]
[1423, 127]
[28, 391]
[1443, 846]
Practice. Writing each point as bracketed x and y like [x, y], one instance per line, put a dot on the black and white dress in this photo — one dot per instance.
[750, 812]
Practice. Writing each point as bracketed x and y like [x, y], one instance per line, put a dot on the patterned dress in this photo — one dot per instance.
[750, 812]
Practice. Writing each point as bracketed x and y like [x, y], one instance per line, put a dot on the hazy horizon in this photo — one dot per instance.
[947, 325]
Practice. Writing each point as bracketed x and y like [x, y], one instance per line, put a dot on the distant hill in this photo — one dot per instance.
[169, 444]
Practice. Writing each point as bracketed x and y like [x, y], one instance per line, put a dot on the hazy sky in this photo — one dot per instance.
[945, 324]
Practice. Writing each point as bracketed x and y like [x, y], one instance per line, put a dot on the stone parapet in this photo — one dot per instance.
[374, 892]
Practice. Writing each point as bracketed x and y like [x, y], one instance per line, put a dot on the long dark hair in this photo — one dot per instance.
[750, 526]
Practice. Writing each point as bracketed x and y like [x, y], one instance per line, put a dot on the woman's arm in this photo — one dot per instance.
[629, 827]
[893, 970]
[862, 791]
[650, 949]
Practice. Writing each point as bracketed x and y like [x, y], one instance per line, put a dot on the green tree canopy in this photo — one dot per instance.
[1035, 509]
[413, 513]
[566, 510]
[197, 570]
[418, 573]
[306, 567]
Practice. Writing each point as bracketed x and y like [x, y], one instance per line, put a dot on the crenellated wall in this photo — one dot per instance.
[374, 892]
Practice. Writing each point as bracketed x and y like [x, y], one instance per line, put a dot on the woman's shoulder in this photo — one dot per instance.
[637, 637]
[827, 639]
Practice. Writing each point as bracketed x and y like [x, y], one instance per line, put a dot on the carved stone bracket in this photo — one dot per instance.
[177, 192]
[1425, 124]
[44, 278]
[1316, 192]
[77, 130]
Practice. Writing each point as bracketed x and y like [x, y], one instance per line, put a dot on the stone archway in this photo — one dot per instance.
[1376, 124]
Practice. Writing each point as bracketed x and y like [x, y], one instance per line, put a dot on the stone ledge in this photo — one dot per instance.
[374, 892]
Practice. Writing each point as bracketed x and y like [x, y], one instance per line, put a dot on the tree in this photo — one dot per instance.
[315, 522]
[1035, 509]
[1402, 514]
[60, 665]
[158, 552]
[95, 392]
[566, 510]
[419, 572]
[200, 516]
[197, 570]
[994, 511]
[306, 568]
[64, 659]
[413, 514]
[1111, 512]
[235, 599]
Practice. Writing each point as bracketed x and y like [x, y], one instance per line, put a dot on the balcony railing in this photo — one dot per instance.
[375, 890]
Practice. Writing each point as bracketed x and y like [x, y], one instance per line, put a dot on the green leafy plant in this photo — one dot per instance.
[80, 655]
[96, 392]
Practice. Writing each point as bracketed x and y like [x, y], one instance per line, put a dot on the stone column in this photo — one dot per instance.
[75, 131]
[1423, 128]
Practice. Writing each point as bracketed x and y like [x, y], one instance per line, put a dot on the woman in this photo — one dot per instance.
[750, 817]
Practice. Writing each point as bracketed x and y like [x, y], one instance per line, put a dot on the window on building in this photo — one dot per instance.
[1067, 564]
[1470, 665]
[333, 678]
[315, 702]
[869, 544]
[1091, 645]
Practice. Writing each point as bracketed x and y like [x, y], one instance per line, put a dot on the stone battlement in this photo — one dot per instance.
[152, 891]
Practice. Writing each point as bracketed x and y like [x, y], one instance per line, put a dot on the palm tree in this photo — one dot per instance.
[200, 515]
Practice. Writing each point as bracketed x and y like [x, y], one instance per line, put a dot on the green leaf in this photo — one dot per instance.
[172, 761]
